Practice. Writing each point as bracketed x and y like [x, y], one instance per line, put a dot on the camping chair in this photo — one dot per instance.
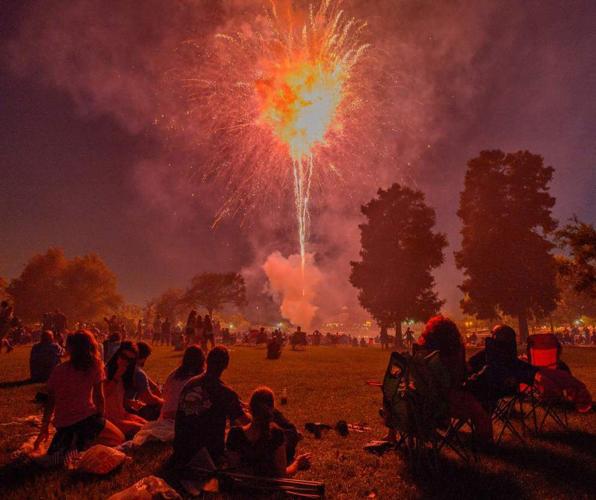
[451, 439]
[504, 413]
[544, 351]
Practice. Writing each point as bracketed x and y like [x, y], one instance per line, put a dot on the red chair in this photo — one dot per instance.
[544, 351]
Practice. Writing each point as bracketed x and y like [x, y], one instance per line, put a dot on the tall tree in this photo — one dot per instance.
[579, 239]
[39, 287]
[506, 255]
[84, 288]
[399, 251]
[169, 304]
[213, 290]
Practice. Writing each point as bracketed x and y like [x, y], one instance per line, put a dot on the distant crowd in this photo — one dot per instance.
[98, 391]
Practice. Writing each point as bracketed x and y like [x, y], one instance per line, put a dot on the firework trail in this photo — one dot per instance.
[274, 96]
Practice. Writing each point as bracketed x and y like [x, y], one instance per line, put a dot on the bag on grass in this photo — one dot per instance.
[99, 459]
[415, 393]
[148, 488]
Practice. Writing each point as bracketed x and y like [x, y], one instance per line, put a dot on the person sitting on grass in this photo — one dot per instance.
[193, 363]
[120, 372]
[45, 355]
[441, 334]
[205, 406]
[76, 399]
[143, 391]
[259, 448]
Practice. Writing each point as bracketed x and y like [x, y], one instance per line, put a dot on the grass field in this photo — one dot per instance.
[327, 384]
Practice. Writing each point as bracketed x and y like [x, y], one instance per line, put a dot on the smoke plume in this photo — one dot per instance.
[296, 293]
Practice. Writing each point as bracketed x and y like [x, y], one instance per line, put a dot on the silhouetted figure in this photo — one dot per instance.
[45, 355]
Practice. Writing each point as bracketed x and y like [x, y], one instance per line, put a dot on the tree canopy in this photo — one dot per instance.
[83, 288]
[399, 251]
[213, 290]
[506, 255]
[169, 304]
[579, 239]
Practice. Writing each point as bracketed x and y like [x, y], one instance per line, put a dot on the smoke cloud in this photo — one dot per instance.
[296, 293]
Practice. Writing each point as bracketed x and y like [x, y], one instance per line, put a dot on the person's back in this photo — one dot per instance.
[205, 406]
[45, 355]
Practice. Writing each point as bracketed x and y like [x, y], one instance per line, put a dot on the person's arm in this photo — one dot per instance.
[153, 387]
[302, 462]
[48, 411]
[99, 399]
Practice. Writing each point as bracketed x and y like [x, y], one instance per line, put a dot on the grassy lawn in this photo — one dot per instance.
[327, 384]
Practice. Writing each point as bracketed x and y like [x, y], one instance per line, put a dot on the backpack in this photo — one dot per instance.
[415, 393]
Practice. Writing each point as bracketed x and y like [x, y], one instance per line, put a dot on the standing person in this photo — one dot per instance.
[409, 338]
[200, 333]
[142, 389]
[76, 399]
[190, 328]
[259, 448]
[140, 329]
[156, 329]
[166, 332]
[45, 355]
[205, 406]
[47, 322]
[120, 373]
[110, 346]
[60, 323]
[384, 338]
[208, 331]
[193, 364]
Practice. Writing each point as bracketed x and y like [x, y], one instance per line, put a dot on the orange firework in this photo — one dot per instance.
[286, 91]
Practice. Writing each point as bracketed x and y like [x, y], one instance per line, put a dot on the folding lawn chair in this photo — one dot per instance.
[544, 351]
[504, 413]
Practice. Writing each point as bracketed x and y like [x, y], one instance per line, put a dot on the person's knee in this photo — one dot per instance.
[110, 435]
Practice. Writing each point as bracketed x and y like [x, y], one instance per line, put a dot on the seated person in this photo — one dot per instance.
[496, 371]
[76, 399]
[143, 391]
[45, 355]
[193, 363]
[206, 404]
[259, 448]
[120, 372]
[441, 334]
[274, 348]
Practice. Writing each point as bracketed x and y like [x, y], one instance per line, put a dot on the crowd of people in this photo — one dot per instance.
[95, 398]
[98, 391]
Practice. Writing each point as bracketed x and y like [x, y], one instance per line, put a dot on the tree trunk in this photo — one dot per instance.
[398, 343]
[523, 327]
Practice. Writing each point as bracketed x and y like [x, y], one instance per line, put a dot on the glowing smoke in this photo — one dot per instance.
[296, 293]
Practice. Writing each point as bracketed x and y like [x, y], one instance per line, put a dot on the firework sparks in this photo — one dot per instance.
[286, 92]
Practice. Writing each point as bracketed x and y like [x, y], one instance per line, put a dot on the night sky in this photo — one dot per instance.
[86, 171]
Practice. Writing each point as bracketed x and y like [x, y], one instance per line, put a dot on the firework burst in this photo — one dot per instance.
[274, 97]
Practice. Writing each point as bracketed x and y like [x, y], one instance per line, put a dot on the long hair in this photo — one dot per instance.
[441, 334]
[83, 350]
[193, 363]
[262, 403]
[112, 365]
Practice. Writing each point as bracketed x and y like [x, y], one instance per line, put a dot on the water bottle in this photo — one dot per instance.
[284, 396]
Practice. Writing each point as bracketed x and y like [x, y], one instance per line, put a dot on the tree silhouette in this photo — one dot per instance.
[506, 256]
[579, 239]
[399, 250]
[84, 288]
[213, 290]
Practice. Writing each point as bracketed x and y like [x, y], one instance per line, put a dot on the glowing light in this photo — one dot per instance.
[275, 98]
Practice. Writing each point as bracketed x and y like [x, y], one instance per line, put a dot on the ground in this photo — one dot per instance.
[327, 384]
